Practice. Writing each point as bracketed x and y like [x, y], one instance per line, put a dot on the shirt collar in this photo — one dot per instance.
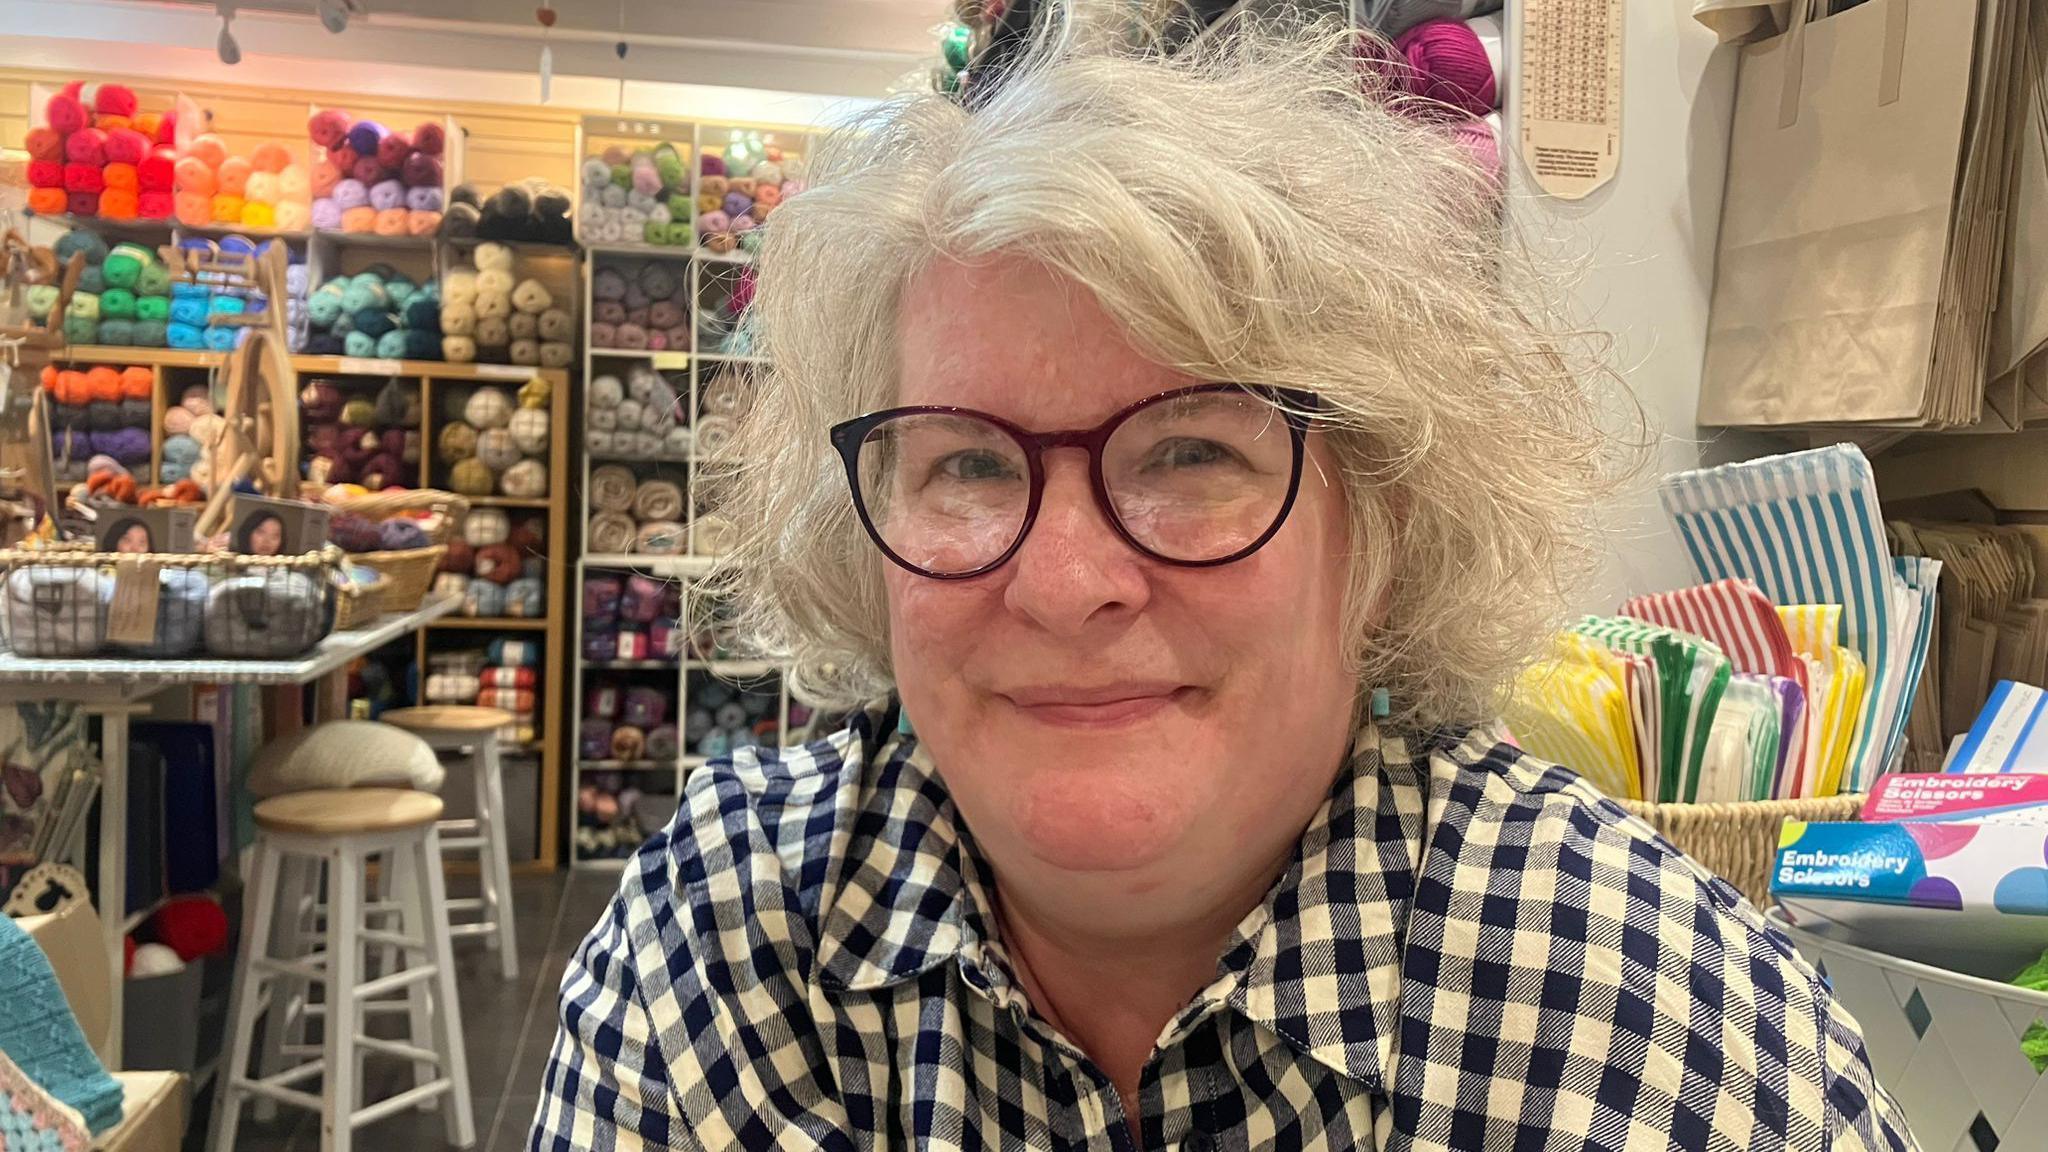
[1318, 962]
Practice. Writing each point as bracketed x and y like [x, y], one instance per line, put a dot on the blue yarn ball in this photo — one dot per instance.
[365, 293]
[181, 450]
[373, 322]
[359, 344]
[422, 345]
[391, 345]
[221, 339]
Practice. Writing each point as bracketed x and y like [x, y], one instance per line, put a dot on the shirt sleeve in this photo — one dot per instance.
[1862, 1116]
[607, 1088]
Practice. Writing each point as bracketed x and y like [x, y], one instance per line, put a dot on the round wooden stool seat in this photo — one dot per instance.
[447, 718]
[344, 813]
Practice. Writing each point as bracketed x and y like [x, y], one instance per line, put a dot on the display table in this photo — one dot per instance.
[115, 689]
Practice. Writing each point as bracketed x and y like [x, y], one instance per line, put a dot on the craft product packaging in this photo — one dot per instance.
[1867, 173]
[2008, 736]
[2014, 798]
[1966, 896]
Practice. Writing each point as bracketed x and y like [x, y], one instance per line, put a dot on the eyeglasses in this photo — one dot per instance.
[1194, 477]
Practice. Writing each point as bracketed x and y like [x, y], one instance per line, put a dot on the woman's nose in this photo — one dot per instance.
[1073, 569]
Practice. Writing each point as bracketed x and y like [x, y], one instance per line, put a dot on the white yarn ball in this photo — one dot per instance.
[527, 480]
[155, 960]
[488, 408]
[640, 383]
[603, 419]
[530, 430]
[486, 526]
[630, 415]
[497, 449]
[599, 442]
[606, 392]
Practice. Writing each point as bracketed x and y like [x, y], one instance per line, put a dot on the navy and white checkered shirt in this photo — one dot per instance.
[1472, 950]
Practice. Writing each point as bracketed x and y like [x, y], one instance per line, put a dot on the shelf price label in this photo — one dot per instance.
[361, 366]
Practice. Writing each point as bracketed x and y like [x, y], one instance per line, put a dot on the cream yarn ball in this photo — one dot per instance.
[486, 526]
[497, 450]
[529, 429]
[488, 408]
[527, 480]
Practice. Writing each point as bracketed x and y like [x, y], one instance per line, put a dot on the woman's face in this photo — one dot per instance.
[266, 536]
[134, 539]
[1094, 711]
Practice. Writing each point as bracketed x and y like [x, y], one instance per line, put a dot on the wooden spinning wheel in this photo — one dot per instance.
[259, 435]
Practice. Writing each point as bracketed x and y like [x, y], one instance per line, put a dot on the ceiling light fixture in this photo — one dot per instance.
[334, 14]
[230, 52]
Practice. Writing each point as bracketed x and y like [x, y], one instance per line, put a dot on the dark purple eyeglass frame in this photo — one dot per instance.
[1294, 405]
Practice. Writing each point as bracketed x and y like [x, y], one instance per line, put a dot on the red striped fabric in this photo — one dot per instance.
[1737, 616]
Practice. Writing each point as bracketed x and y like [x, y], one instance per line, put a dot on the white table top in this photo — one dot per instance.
[330, 654]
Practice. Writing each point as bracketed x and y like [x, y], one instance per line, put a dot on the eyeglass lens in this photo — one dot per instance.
[1191, 478]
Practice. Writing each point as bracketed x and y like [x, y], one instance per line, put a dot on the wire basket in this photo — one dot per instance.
[1738, 842]
[1945, 1044]
[409, 572]
[58, 602]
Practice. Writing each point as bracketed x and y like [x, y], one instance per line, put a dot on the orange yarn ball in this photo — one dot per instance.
[103, 383]
[137, 383]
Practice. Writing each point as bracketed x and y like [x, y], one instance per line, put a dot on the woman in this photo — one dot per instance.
[1128, 861]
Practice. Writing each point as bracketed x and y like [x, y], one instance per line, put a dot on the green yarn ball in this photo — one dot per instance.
[622, 175]
[81, 329]
[155, 280]
[153, 308]
[117, 304]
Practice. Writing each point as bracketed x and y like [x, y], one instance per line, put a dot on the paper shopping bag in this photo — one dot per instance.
[1860, 233]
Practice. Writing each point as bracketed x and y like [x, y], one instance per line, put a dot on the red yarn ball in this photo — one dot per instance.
[66, 112]
[460, 557]
[44, 144]
[126, 146]
[393, 149]
[430, 138]
[327, 127]
[158, 170]
[115, 100]
[192, 926]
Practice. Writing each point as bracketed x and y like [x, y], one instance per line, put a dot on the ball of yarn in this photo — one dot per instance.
[499, 563]
[155, 960]
[472, 477]
[529, 430]
[488, 408]
[328, 127]
[402, 535]
[191, 926]
[485, 527]
[1448, 65]
[484, 598]
[181, 449]
[457, 442]
[496, 448]
[353, 533]
[527, 480]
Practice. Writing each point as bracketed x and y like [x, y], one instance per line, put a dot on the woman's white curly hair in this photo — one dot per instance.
[1251, 210]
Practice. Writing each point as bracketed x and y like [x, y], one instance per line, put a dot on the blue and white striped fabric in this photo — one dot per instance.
[1807, 528]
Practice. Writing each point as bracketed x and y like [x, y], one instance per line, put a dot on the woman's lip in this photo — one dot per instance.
[1102, 707]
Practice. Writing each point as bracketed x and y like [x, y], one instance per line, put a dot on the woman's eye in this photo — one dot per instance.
[974, 466]
[1186, 452]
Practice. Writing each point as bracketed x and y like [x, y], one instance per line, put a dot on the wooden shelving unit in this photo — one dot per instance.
[177, 369]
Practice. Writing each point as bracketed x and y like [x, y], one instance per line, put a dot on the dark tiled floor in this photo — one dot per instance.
[509, 1027]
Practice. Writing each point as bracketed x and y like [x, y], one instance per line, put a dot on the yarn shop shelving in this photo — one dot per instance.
[667, 370]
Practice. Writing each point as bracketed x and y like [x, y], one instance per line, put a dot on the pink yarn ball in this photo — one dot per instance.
[1449, 66]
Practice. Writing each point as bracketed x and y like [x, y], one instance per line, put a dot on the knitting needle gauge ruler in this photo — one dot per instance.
[1568, 85]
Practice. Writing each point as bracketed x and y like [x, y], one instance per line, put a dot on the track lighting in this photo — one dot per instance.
[334, 14]
[230, 52]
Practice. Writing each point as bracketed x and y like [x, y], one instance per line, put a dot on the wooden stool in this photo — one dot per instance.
[474, 731]
[343, 830]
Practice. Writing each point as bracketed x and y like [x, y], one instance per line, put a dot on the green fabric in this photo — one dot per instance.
[2034, 1043]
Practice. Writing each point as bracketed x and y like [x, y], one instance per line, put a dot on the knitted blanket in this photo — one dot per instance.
[40, 1035]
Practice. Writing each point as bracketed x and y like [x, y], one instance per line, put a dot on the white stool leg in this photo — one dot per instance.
[244, 1001]
[344, 945]
[387, 893]
[289, 936]
[406, 888]
[494, 860]
[447, 1013]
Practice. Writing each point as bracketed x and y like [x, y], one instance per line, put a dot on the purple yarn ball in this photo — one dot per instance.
[326, 215]
[424, 199]
[365, 136]
[401, 535]
[737, 204]
[367, 170]
[386, 195]
[128, 445]
[351, 193]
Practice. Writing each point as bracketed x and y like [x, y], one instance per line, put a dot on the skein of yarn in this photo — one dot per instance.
[1448, 64]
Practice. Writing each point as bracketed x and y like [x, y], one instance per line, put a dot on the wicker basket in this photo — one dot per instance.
[358, 605]
[1738, 842]
[410, 572]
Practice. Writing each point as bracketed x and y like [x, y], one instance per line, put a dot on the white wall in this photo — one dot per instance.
[1642, 251]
